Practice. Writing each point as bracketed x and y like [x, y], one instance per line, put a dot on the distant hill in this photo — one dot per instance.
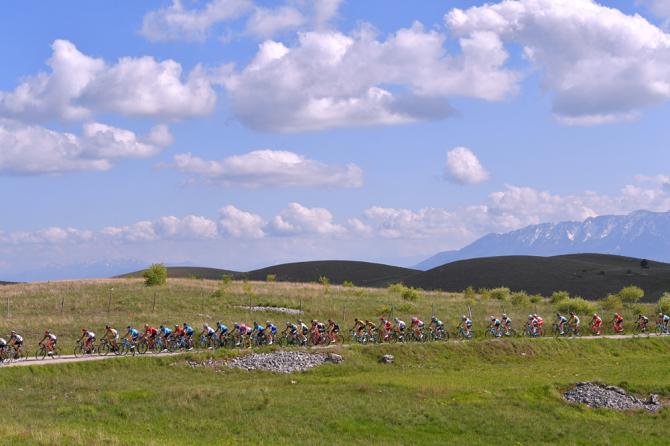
[188, 272]
[337, 271]
[587, 275]
[6, 283]
[641, 234]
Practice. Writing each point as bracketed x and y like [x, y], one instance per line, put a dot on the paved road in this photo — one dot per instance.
[71, 358]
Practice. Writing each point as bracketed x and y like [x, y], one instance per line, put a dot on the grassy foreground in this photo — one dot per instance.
[500, 392]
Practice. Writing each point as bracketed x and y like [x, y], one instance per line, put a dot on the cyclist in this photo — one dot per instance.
[303, 331]
[208, 332]
[333, 330]
[596, 324]
[291, 332]
[507, 324]
[399, 327]
[132, 334]
[188, 335]
[574, 321]
[222, 329]
[258, 332]
[385, 328]
[16, 341]
[358, 327]
[270, 331]
[371, 327]
[642, 322]
[618, 323]
[539, 322]
[150, 334]
[560, 322]
[3, 346]
[494, 326]
[51, 342]
[665, 319]
[240, 330]
[465, 326]
[111, 335]
[417, 326]
[88, 337]
[178, 333]
[165, 333]
[436, 326]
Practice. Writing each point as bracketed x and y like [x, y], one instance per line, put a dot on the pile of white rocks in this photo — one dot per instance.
[610, 397]
[282, 361]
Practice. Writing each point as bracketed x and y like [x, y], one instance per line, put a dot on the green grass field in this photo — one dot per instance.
[478, 392]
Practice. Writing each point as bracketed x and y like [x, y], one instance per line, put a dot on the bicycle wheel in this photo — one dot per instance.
[142, 348]
[104, 349]
[78, 351]
[41, 353]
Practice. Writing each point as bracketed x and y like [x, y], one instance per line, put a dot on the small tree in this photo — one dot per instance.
[271, 278]
[325, 281]
[348, 284]
[664, 303]
[612, 302]
[644, 263]
[469, 293]
[631, 294]
[558, 296]
[411, 294]
[500, 293]
[155, 275]
[520, 298]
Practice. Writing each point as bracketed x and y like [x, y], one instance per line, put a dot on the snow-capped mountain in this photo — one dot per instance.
[641, 234]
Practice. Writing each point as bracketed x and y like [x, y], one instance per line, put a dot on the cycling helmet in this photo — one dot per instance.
[504, 316]
[268, 323]
[300, 321]
[185, 324]
[530, 316]
[146, 325]
[535, 315]
[161, 327]
[46, 332]
[433, 318]
[660, 314]
[205, 326]
[237, 326]
[595, 314]
[176, 325]
[84, 330]
[464, 317]
[13, 332]
[218, 323]
[396, 320]
[288, 324]
[493, 318]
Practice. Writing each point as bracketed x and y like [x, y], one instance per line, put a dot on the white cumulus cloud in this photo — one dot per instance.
[463, 167]
[270, 168]
[78, 86]
[237, 223]
[600, 64]
[178, 23]
[297, 219]
[31, 149]
[265, 22]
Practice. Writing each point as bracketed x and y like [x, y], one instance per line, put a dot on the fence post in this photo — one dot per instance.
[392, 308]
[432, 310]
[153, 306]
[62, 304]
[8, 308]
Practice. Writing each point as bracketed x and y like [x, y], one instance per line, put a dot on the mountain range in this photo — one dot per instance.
[640, 234]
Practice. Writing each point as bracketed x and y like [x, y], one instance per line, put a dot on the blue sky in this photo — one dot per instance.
[240, 133]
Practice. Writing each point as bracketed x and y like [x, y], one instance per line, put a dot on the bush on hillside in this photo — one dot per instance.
[396, 288]
[271, 278]
[155, 275]
[631, 294]
[558, 296]
[520, 298]
[500, 293]
[348, 284]
[484, 294]
[226, 279]
[469, 293]
[536, 299]
[664, 303]
[612, 302]
[411, 294]
[577, 304]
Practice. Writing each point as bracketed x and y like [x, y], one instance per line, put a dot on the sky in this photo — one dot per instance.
[244, 133]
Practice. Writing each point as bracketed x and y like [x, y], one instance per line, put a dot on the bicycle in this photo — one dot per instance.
[43, 351]
[464, 334]
[127, 347]
[208, 343]
[575, 331]
[13, 353]
[81, 349]
[661, 329]
[438, 335]
[492, 331]
[106, 347]
[640, 328]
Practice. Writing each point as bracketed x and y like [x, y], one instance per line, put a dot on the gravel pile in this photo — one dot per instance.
[281, 362]
[609, 397]
[283, 310]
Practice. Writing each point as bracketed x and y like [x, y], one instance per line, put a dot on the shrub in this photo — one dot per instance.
[500, 293]
[520, 298]
[577, 304]
[396, 288]
[631, 294]
[612, 302]
[558, 296]
[536, 299]
[325, 281]
[226, 279]
[411, 294]
[271, 278]
[469, 293]
[348, 284]
[155, 275]
[664, 303]
[484, 294]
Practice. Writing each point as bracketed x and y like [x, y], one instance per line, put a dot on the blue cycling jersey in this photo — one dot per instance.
[188, 330]
[260, 328]
[133, 333]
[166, 331]
[223, 328]
[273, 329]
